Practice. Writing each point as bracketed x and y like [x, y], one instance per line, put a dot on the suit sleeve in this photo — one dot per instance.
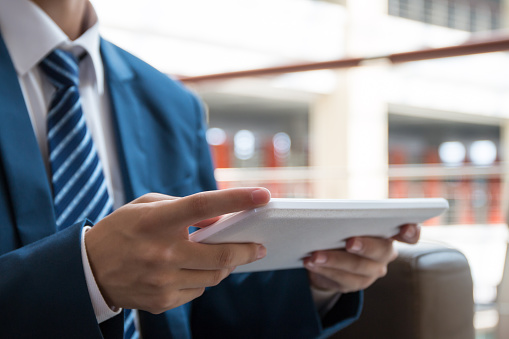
[43, 292]
[266, 304]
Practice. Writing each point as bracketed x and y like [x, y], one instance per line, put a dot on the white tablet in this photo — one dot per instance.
[291, 229]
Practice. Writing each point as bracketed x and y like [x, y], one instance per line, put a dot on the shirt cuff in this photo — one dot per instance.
[101, 309]
[324, 300]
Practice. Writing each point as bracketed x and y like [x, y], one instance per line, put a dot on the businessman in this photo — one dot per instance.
[86, 128]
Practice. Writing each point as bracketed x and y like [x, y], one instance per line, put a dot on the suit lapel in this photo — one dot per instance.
[127, 117]
[129, 123]
[21, 158]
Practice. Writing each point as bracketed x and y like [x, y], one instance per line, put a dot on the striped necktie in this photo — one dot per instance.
[79, 187]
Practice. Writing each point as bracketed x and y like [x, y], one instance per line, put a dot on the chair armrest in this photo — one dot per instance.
[427, 294]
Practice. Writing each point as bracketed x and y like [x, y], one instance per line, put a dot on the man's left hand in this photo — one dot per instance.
[359, 264]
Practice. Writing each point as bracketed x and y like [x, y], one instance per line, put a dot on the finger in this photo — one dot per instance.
[409, 233]
[201, 278]
[346, 262]
[156, 304]
[152, 197]
[376, 249]
[335, 280]
[320, 282]
[220, 256]
[205, 205]
[189, 294]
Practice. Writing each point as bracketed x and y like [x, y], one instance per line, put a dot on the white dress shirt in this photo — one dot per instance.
[30, 35]
[28, 41]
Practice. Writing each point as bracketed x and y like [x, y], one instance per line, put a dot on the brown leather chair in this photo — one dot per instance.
[427, 294]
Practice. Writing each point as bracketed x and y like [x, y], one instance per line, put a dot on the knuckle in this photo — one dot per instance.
[161, 302]
[139, 200]
[146, 255]
[382, 272]
[200, 204]
[148, 197]
[357, 266]
[153, 255]
[166, 255]
[214, 278]
[225, 257]
[159, 261]
[155, 306]
[155, 281]
[224, 273]
[200, 291]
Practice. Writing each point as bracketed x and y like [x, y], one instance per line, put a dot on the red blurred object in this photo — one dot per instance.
[272, 161]
[398, 188]
[432, 188]
[221, 155]
[465, 210]
[270, 154]
[495, 215]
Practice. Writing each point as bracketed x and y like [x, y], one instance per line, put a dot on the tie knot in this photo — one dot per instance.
[61, 68]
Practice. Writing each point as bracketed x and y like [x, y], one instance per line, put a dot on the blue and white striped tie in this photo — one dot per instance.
[79, 187]
[130, 331]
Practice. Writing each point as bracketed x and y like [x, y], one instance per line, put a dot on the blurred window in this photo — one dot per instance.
[467, 15]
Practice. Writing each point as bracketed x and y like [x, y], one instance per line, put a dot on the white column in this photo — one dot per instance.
[504, 156]
[505, 13]
[328, 139]
[349, 132]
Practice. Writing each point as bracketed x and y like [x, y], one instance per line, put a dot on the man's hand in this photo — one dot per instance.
[356, 267]
[141, 256]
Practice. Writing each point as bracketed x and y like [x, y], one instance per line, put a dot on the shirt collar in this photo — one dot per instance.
[30, 34]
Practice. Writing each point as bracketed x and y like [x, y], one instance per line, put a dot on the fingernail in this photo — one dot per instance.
[259, 196]
[310, 264]
[262, 252]
[410, 233]
[356, 246]
[321, 258]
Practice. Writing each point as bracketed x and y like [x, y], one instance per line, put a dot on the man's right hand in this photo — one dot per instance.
[142, 258]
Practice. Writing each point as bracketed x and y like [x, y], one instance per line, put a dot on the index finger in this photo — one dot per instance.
[376, 249]
[205, 205]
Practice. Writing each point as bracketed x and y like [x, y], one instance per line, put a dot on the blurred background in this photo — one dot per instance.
[431, 128]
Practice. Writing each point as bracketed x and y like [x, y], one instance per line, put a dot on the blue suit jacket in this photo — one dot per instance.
[161, 146]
